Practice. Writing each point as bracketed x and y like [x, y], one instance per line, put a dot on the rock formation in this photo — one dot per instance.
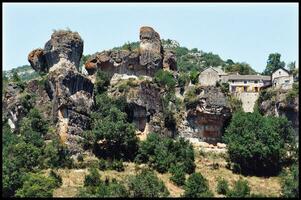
[207, 120]
[63, 44]
[144, 62]
[68, 89]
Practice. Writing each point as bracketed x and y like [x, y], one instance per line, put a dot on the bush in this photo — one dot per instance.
[57, 178]
[259, 146]
[162, 152]
[290, 183]
[36, 185]
[178, 174]
[241, 189]
[222, 187]
[102, 82]
[196, 186]
[191, 99]
[147, 184]
[93, 178]
[194, 76]
[165, 78]
[183, 79]
[117, 165]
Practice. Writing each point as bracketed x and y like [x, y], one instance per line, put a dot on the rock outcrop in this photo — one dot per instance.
[143, 62]
[207, 120]
[278, 105]
[63, 44]
[70, 92]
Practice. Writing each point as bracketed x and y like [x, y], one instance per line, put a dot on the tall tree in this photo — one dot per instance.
[273, 63]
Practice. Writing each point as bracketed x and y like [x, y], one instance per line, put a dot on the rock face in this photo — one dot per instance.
[279, 106]
[207, 120]
[63, 44]
[150, 48]
[143, 102]
[144, 62]
[17, 100]
[70, 92]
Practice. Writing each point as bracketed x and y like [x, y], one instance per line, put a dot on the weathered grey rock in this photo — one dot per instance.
[63, 44]
[207, 120]
[169, 61]
[150, 48]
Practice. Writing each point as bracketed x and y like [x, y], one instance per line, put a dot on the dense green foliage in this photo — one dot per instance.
[178, 174]
[273, 63]
[235, 103]
[161, 153]
[165, 79]
[196, 186]
[147, 184]
[257, 144]
[241, 68]
[290, 183]
[26, 151]
[109, 125]
[37, 185]
[241, 189]
[222, 186]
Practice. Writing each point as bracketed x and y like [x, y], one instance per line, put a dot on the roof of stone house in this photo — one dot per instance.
[248, 77]
[282, 69]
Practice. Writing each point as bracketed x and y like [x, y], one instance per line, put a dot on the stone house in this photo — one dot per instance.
[211, 75]
[247, 83]
[281, 78]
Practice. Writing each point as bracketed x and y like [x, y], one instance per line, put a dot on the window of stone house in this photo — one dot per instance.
[256, 81]
[279, 72]
[245, 82]
[232, 81]
[286, 81]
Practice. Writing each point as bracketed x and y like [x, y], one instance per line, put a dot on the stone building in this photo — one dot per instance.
[247, 83]
[211, 75]
[281, 78]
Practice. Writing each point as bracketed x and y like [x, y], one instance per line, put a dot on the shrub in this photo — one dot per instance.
[191, 99]
[196, 186]
[93, 178]
[57, 178]
[147, 184]
[161, 152]
[36, 185]
[290, 183]
[260, 145]
[194, 76]
[165, 78]
[102, 82]
[241, 189]
[117, 165]
[222, 186]
[178, 174]
[183, 79]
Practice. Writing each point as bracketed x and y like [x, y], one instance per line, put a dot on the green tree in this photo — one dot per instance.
[15, 77]
[37, 185]
[147, 184]
[259, 146]
[273, 63]
[196, 186]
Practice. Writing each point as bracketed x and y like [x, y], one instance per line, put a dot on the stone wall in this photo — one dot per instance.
[248, 100]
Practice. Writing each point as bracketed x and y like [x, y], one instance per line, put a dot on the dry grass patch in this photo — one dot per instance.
[259, 185]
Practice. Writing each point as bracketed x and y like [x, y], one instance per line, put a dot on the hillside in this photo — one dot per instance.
[134, 121]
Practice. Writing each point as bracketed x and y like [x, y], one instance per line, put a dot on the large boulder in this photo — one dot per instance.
[63, 44]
